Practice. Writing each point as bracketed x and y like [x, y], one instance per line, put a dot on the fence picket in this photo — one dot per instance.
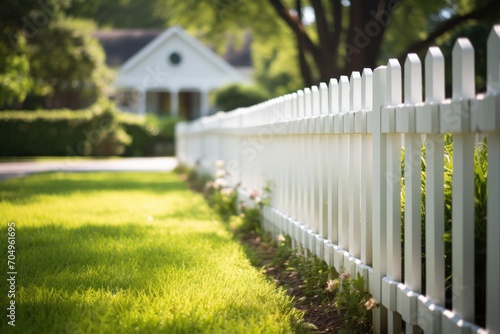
[493, 221]
[393, 180]
[463, 184]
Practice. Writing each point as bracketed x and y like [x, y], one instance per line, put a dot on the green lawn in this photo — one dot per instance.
[128, 253]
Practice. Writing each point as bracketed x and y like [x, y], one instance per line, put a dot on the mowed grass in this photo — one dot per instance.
[129, 253]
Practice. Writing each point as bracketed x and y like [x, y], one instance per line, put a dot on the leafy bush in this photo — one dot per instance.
[236, 96]
[95, 131]
[353, 301]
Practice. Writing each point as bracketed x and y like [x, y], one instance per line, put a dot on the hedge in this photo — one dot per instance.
[97, 131]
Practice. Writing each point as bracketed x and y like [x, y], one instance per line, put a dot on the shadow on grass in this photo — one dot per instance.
[62, 183]
[105, 256]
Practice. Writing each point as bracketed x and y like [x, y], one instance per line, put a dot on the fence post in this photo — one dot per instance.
[493, 221]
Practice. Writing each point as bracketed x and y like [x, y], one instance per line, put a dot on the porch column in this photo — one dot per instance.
[204, 104]
[174, 102]
[142, 102]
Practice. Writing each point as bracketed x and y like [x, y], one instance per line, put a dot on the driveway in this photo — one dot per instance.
[17, 169]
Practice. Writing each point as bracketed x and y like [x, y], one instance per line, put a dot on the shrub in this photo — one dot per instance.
[236, 96]
[95, 131]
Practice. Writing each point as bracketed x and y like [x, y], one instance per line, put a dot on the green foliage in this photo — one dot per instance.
[163, 126]
[235, 96]
[314, 272]
[132, 14]
[251, 219]
[75, 74]
[95, 131]
[48, 60]
[15, 81]
[354, 302]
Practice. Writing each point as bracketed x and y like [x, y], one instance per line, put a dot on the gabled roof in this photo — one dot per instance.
[155, 44]
[121, 44]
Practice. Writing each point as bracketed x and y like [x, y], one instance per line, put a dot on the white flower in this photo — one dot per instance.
[332, 285]
[280, 238]
[220, 173]
[371, 304]
[220, 183]
[227, 191]
[219, 164]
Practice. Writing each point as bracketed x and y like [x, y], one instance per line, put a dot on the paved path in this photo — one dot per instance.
[17, 169]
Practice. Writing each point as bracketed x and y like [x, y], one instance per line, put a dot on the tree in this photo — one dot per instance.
[363, 31]
[47, 58]
[346, 35]
[68, 64]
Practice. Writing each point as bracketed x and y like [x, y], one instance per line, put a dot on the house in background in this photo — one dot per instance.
[169, 72]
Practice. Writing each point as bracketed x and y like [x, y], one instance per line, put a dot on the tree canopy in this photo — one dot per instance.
[47, 59]
[345, 35]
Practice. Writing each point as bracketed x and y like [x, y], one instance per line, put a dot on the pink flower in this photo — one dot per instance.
[253, 194]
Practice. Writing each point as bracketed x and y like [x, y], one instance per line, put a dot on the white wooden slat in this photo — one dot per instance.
[493, 215]
[343, 162]
[315, 161]
[308, 168]
[412, 228]
[493, 235]
[434, 199]
[463, 188]
[366, 173]
[393, 179]
[324, 157]
[292, 139]
[413, 232]
[333, 226]
[354, 170]
[379, 197]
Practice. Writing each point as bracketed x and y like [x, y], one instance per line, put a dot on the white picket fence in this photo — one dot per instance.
[331, 155]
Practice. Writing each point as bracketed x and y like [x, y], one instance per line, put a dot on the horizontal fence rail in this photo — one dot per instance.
[332, 156]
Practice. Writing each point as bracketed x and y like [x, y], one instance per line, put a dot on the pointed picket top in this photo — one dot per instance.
[434, 76]
[280, 109]
[300, 103]
[493, 60]
[323, 95]
[413, 79]
[287, 107]
[393, 82]
[334, 96]
[463, 70]
[315, 101]
[355, 91]
[367, 89]
[294, 97]
[307, 102]
[344, 94]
